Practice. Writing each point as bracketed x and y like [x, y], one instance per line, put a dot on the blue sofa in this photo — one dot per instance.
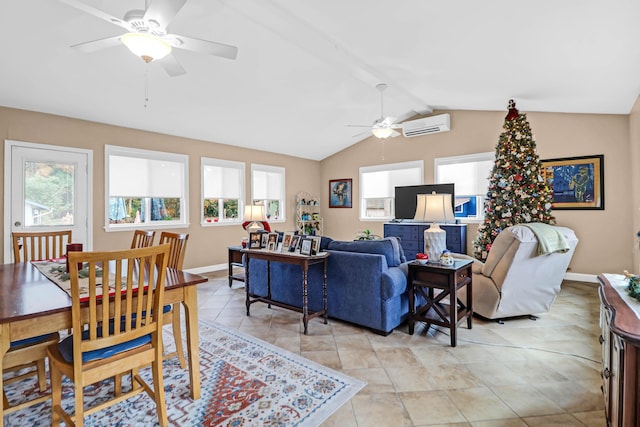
[366, 282]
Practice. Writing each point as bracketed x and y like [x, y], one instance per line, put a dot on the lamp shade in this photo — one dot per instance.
[434, 208]
[254, 213]
[146, 46]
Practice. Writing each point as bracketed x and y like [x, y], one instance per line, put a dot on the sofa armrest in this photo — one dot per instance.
[394, 283]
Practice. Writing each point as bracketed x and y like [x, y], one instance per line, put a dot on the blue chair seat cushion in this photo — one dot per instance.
[32, 341]
[66, 347]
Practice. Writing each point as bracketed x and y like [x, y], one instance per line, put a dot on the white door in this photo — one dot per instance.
[47, 188]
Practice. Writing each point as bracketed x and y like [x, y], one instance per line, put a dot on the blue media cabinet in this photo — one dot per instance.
[411, 236]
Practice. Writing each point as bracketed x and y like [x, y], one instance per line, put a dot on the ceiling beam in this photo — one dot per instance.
[301, 33]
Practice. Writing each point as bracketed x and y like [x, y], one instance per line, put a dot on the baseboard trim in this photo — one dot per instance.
[581, 277]
[208, 268]
[578, 277]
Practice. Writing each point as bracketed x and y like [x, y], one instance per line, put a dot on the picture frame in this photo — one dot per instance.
[271, 246]
[305, 246]
[265, 240]
[295, 241]
[340, 193]
[575, 182]
[286, 241]
[255, 240]
[315, 244]
[272, 241]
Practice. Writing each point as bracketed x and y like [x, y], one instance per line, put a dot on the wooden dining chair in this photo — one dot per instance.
[27, 353]
[119, 335]
[178, 242]
[30, 246]
[142, 239]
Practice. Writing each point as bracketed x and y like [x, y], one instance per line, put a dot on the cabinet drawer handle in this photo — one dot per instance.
[607, 373]
[601, 339]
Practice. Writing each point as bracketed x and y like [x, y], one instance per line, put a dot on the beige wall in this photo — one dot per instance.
[607, 239]
[606, 236]
[207, 245]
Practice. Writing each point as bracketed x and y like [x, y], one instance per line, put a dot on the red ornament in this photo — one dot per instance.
[518, 177]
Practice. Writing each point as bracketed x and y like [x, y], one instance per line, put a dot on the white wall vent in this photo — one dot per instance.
[432, 124]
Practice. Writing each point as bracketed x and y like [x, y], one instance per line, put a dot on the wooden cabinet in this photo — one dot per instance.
[411, 236]
[620, 340]
[308, 219]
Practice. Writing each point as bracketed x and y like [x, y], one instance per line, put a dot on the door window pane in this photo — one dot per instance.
[48, 193]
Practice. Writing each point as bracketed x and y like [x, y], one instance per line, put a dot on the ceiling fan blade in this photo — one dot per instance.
[95, 45]
[394, 134]
[388, 121]
[163, 11]
[97, 13]
[172, 66]
[202, 46]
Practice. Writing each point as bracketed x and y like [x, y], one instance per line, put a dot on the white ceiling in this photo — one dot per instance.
[306, 69]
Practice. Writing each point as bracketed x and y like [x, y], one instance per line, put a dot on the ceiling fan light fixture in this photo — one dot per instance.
[382, 132]
[146, 46]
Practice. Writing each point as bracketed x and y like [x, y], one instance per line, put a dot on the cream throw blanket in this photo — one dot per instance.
[550, 240]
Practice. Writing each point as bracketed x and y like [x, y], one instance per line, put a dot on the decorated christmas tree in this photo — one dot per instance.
[517, 190]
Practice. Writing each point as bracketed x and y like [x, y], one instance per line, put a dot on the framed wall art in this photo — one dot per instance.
[576, 182]
[340, 193]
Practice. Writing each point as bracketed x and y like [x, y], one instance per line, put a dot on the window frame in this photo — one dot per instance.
[466, 158]
[256, 167]
[183, 159]
[414, 164]
[229, 164]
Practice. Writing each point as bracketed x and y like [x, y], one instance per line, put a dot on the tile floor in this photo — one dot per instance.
[522, 373]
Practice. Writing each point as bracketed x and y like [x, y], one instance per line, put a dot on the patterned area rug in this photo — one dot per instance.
[244, 381]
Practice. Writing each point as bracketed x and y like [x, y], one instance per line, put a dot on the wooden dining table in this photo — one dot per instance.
[32, 305]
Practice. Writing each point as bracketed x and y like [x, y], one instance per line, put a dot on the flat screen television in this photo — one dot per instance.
[406, 198]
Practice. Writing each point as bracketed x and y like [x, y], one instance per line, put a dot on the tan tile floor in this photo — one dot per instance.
[522, 373]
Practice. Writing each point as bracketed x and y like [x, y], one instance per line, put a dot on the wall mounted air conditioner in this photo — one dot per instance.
[432, 124]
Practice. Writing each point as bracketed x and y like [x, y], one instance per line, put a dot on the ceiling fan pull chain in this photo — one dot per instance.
[146, 85]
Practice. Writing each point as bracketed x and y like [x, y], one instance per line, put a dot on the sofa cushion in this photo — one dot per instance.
[389, 247]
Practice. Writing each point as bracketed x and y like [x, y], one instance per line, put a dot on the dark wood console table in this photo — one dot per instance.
[235, 260]
[435, 282]
[304, 261]
[620, 341]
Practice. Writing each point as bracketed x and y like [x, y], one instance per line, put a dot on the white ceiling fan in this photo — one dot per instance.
[383, 127]
[147, 35]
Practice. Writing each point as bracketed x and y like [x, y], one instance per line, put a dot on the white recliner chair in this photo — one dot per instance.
[516, 280]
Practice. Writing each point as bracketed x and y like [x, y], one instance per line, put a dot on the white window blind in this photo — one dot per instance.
[222, 179]
[469, 173]
[138, 177]
[268, 182]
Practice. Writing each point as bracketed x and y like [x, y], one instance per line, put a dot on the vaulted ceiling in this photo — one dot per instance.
[306, 69]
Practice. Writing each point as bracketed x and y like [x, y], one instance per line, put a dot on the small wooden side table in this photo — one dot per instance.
[425, 280]
[235, 260]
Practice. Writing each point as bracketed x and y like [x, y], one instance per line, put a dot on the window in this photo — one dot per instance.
[378, 183]
[470, 174]
[267, 189]
[145, 189]
[222, 191]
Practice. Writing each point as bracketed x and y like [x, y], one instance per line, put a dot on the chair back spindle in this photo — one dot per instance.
[178, 248]
[30, 246]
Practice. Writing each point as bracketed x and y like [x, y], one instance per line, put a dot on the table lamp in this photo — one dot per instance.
[434, 208]
[254, 214]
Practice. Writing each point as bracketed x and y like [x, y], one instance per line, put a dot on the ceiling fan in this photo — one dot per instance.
[147, 35]
[383, 127]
